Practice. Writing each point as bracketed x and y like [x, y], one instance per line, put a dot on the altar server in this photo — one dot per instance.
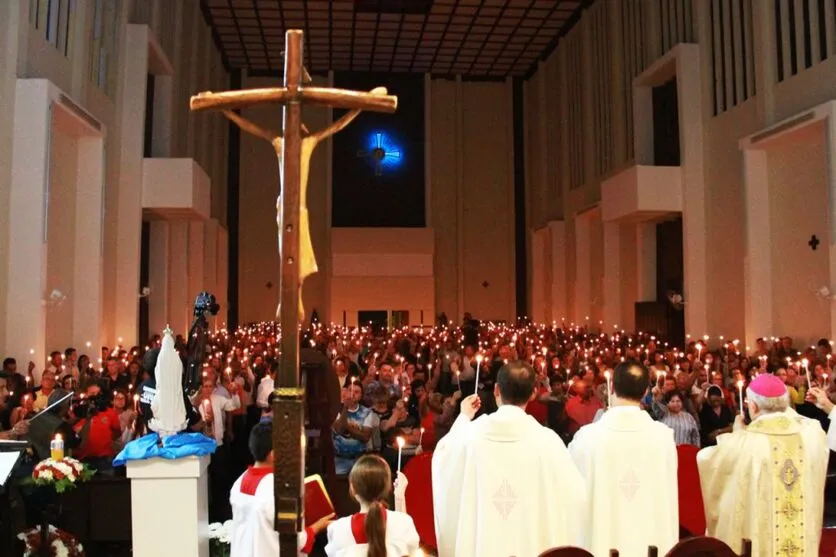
[765, 482]
[374, 531]
[504, 484]
[253, 505]
[629, 466]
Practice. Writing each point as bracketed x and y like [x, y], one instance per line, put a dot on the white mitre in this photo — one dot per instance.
[168, 407]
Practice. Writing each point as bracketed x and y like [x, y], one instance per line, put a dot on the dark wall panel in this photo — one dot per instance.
[370, 191]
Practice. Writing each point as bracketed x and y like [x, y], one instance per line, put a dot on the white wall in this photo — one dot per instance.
[185, 40]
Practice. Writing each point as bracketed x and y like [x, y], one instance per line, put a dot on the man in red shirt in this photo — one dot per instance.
[97, 434]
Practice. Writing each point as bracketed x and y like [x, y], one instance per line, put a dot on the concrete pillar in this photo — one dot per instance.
[560, 305]
[179, 292]
[583, 269]
[830, 148]
[612, 275]
[197, 282]
[223, 275]
[646, 261]
[539, 262]
[25, 316]
[758, 256]
[122, 247]
[88, 285]
[210, 260]
[643, 125]
[694, 190]
[159, 277]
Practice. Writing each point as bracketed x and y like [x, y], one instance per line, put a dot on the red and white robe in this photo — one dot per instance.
[253, 509]
[347, 536]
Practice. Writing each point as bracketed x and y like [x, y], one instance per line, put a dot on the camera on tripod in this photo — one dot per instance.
[206, 303]
[88, 407]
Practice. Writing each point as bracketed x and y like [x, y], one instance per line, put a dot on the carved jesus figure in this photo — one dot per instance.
[307, 263]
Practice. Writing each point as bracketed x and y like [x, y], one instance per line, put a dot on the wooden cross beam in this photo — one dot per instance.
[288, 408]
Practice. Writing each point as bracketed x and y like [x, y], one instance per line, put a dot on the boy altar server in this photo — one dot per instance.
[253, 505]
[765, 481]
[629, 464]
[504, 484]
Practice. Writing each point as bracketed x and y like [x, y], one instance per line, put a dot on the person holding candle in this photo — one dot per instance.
[352, 429]
[765, 482]
[505, 456]
[374, 531]
[629, 465]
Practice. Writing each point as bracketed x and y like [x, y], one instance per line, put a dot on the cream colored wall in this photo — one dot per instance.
[61, 222]
[258, 260]
[186, 41]
[566, 107]
[472, 207]
[797, 178]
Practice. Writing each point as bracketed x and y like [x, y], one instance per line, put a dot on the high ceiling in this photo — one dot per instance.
[473, 38]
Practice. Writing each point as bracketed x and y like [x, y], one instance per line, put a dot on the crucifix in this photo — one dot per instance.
[296, 255]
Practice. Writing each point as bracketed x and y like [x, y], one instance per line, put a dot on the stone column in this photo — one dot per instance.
[758, 256]
[25, 314]
[612, 275]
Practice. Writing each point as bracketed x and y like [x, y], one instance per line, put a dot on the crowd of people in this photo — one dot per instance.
[409, 385]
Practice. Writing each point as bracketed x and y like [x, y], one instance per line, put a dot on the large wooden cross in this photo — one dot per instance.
[288, 408]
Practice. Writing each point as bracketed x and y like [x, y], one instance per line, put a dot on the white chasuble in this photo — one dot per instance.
[503, 485]
[766, 484]
[629, 465]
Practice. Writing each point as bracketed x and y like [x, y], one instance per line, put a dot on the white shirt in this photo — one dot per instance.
[253, 504]
[401, 536]
[220, 406]
[264, 389]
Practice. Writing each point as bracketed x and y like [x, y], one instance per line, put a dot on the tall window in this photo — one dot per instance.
[105, 44]
[805, 34]
[53, 18]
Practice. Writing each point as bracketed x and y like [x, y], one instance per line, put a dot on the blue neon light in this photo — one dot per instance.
[381, 142]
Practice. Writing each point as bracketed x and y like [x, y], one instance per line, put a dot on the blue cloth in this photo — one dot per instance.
[177, 446]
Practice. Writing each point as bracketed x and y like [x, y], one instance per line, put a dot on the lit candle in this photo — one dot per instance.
[478, 365]
[806, 365]
[136, 403]
[740, 392]
[400, 451]
[699, 351]
[826, 383]
[56, 448]
[609, 389]
[421, 438]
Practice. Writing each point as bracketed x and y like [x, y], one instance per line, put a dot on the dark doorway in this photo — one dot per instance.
[670, 273]
[378, 319]
[144, 273]
[148, 138]
[666, 125]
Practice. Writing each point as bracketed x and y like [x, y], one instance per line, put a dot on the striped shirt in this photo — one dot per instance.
[684, 426]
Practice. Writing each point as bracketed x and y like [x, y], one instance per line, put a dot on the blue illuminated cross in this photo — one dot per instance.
[382, 152]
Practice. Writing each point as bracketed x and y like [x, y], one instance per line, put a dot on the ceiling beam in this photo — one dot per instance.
[216, 37]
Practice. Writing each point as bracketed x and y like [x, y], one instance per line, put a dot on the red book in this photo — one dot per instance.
[317, 501]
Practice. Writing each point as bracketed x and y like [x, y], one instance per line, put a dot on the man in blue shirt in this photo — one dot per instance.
[352, 429]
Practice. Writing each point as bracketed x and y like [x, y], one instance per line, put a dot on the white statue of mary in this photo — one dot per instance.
[168, 407]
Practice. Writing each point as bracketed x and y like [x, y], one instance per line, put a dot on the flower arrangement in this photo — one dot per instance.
[62, 474]
[61, 544]
[220, 538]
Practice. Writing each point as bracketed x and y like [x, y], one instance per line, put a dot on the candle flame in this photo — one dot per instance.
[401, 442]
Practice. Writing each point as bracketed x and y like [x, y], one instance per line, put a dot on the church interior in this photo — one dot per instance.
[584, 187]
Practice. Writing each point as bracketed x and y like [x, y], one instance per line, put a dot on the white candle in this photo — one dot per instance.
[478, 365]
[806, 365]
[740, 391]
[421, 437]
[609, 389]
[56, 448]
[400, 451]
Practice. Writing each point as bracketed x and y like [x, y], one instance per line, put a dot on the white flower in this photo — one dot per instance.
[227, 527]
[45, 475]
[64, 469]
[225, 539]
[60, 549]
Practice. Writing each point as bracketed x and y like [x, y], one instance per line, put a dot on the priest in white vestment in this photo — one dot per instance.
[253, 505]
[629, 465]
[765, 482]
[504, 485]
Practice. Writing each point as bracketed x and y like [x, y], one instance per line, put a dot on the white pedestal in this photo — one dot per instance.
[169, 507]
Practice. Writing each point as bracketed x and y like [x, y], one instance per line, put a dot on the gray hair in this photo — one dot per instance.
[769, 405]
